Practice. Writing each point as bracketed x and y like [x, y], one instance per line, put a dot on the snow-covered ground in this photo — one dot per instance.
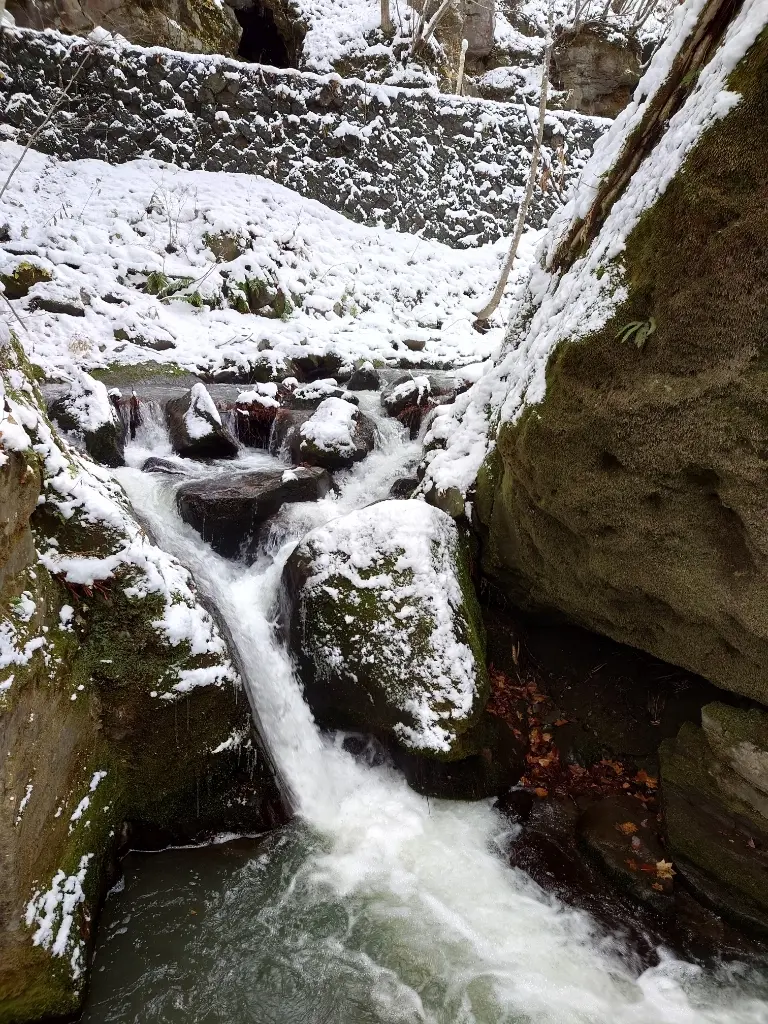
[108, 236]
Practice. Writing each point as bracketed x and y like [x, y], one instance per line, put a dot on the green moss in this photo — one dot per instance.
[630, 498]
[133, 373]
[24, 277]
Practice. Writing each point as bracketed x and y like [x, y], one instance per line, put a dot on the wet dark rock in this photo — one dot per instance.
[154, 464]
[403, 488]
[406, 392]
[621, 834]
[365, 378]
[195, 427]
[285, 428]
[230, 511]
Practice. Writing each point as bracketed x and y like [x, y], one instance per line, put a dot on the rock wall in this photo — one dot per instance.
[632, 498]
[121, 715]
[410, 159]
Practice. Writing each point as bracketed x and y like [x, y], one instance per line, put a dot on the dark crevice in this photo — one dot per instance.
[261, 41]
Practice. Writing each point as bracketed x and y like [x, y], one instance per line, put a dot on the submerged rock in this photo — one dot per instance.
[230, 511]
[384, 623]
[195, 427]
[87, 411]
[335, 436]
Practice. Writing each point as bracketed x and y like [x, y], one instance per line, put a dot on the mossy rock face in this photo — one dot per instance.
[195, 26]
[739, 737]
[113, 728]
[715, 836]
[24, 277]
[385, 625]
[632, 498]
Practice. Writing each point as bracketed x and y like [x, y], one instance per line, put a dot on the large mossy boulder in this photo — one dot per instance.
[385, 626]
[631, 496]
[122, 717]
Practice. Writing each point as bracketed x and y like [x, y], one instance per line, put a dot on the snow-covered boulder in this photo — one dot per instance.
[335, 436]
[405, 393]
[231, 511]
[86, 411]
[195, 427]
[384, 623]
[309, 396]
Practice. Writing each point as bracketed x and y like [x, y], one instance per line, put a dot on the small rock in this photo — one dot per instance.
[63, 307]
[158, 465]
[195, 427]
[364, 378]
[403, 488]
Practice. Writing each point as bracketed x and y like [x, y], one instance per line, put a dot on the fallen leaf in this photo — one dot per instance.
[657, 887]
[562, 721]
[631, 863]
[627, 828]
[644, 779]
[664, 869]
[541, 792]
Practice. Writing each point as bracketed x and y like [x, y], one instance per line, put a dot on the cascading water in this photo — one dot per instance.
[375, 904]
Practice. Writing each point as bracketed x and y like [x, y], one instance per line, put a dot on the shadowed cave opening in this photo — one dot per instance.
[261, 41]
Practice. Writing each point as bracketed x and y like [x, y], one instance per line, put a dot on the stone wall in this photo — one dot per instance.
[454, 167]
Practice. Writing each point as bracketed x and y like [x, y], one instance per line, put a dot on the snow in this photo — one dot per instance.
[52, 913]
[332, 426]
[580, 301]
[356, 291]
[88, 402]
[202, 414]
[422, 543]
[74, 486]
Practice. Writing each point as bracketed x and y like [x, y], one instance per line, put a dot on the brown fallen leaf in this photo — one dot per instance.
[561, 721]
[658, 887]
[627, 828]
[644, 779]
[541, 792]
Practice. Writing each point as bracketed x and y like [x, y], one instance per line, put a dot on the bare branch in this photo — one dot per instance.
[522, 213]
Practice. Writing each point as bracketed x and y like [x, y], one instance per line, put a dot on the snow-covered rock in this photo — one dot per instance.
[195, 427]
[385, 625]
[87, 410]
[335, 436]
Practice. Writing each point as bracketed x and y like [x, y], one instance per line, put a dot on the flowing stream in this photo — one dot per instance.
[374, 904]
